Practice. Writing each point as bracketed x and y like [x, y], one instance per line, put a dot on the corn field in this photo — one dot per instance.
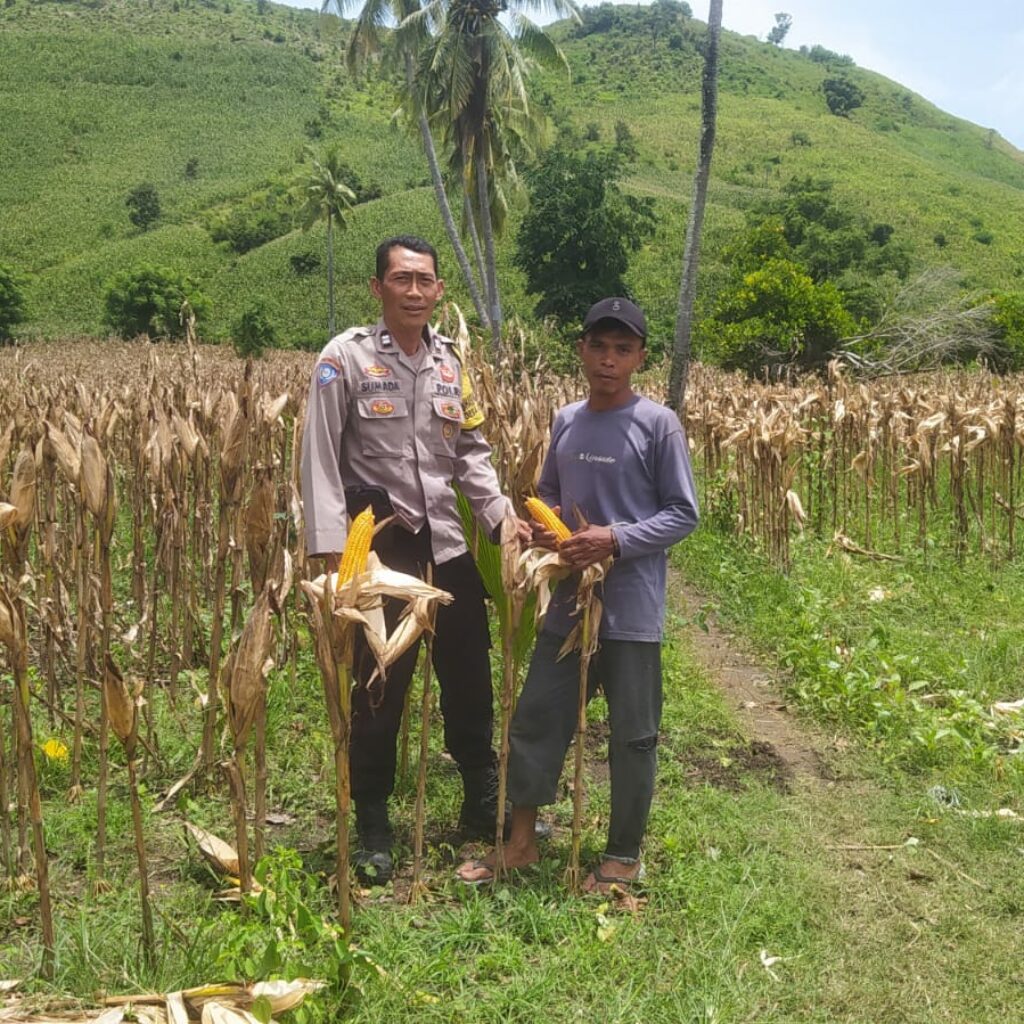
[151, 524]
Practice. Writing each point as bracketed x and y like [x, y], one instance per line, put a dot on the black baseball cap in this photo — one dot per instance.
[620, 310]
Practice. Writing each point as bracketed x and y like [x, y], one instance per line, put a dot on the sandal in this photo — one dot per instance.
[482, 865]
[624, 884]
[475, 865]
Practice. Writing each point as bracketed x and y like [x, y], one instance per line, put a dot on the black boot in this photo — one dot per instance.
[372, 860]
[479, 813]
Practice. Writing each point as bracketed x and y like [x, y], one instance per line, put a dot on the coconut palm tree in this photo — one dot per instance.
[680, 371]
[367, 42]
[471, 81]
[327, 197]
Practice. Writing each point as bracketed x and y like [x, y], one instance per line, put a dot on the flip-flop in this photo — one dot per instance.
[625, 884]
[476, 865]
[480, 865]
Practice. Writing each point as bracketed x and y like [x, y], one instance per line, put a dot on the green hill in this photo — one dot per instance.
[213, 103]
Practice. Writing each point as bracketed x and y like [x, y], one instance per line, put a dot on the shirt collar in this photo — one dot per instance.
[385, 344]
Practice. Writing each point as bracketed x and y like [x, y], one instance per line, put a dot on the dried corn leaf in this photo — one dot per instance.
[218, 1013]
[218, 854]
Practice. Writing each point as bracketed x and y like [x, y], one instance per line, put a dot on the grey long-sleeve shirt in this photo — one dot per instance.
[378, 417]
[628, 468]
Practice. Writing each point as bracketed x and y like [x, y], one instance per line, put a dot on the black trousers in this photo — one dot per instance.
[462, 667]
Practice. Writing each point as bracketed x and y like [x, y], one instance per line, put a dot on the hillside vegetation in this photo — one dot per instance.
[214, 104]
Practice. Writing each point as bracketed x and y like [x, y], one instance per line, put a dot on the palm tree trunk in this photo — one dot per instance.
[487, 228]
[330, 274]
[474, 235]
[444, 206]
[691, 251]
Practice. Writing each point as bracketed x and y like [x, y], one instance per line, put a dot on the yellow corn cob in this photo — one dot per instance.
[357, 547]
[546, 518]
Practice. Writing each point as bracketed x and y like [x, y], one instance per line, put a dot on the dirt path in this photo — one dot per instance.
[752, 693]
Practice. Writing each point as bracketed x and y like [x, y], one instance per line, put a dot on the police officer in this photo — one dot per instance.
[391, 422]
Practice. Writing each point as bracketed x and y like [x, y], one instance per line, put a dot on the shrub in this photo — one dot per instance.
[148, 300]
[12, 302]
[143, 204]
[304, 263]
[841, 95]
[1008, 320]
[254, 334]
[777, 315]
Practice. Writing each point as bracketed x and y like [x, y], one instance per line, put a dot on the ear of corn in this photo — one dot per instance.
[357, 547]
[545, 517]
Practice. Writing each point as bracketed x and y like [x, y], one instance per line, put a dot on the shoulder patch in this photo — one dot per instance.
[327, 372]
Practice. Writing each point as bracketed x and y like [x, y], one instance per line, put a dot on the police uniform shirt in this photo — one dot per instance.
[407, 424]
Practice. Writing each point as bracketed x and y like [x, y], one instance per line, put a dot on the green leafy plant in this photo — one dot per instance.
[143, 203]
[148, 300]
[284, 933]
[254, 334]
[12, 301]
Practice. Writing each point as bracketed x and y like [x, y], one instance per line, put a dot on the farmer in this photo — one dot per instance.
[392, 423]
[622, 461]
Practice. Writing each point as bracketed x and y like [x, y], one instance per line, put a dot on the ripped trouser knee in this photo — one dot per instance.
[633, 765]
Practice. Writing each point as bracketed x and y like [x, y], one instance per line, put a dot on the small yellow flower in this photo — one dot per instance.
[55, 751]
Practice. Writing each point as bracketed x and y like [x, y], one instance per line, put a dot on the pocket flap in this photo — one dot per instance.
[449, 409]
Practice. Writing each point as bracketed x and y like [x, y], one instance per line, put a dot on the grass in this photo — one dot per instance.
[742, 867]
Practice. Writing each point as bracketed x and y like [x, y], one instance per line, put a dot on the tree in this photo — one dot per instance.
[691, 247]
[783, 23]
[842, 95]
[574, 241]
[12, 302]
[148, 300]
[327, 197]
[777, 315]
[143, 204]
[472, 84]
[366, 42]
[253, 334]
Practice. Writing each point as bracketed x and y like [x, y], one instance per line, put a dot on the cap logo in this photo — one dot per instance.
[616, 305]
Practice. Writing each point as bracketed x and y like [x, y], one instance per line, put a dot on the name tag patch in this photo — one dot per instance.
[447, 390]
[377, 387]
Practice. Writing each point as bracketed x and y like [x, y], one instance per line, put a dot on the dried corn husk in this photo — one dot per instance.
[122, 704]
[64, 452]
[93, 476]
[23, 491]
[246, 670]
[9, 622]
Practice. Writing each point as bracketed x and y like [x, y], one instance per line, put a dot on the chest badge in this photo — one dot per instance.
[382, 407]
[447, 373]
[448, 430]
[377, 371]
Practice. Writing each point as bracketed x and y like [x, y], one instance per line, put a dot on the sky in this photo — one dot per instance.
[965, 57]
